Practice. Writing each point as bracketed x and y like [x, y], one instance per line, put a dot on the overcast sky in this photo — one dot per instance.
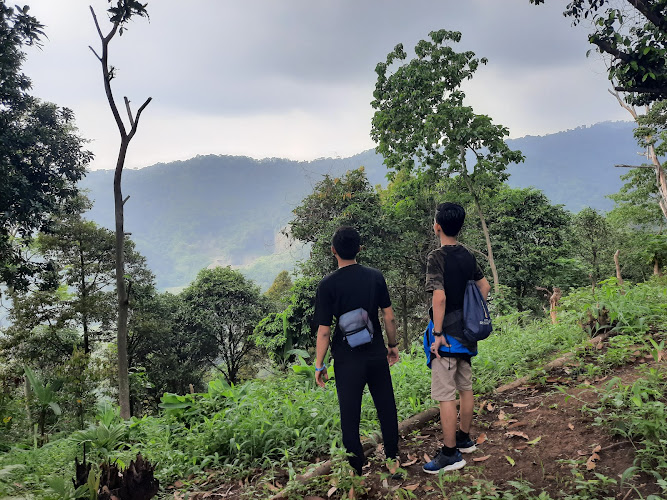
[294, 78]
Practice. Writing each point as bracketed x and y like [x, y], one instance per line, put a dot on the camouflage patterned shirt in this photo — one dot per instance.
[449, 268]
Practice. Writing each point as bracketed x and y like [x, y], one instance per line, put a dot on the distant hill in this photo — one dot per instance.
[187, 215]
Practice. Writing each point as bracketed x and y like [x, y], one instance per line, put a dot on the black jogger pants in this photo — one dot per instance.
[351, 376]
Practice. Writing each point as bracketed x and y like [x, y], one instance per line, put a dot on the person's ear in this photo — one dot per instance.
[436, 228]
[333, 250]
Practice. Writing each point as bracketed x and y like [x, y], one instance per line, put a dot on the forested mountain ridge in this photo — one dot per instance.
[187, 215]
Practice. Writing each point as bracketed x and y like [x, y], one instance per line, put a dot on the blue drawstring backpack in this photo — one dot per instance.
[476, 319]
[457, 347]
[462, 328]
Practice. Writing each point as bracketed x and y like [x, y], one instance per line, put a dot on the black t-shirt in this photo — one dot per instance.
[347, 289]
[449, 268]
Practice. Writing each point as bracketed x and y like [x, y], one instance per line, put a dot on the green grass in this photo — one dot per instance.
[285, 421]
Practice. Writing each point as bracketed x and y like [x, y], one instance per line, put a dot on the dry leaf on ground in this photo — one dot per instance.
[331, 491]
[427, 459]
[428, 488]
[532, 410]
[571, 426]
[490, 407]
[520, 405]
[411, 487]
[597, 449]
[582, 453]
[481, 459]
[517, 434]
[590, 463]
[272, 487]
[412, 460]
[481, 438]
[517, 424]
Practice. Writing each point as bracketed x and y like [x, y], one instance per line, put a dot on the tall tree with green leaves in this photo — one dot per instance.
[163, 347]
[120, 13]
[529, 233]
[279, 333]
[421, 123]
[279, 291]
[76, 290]
[221, 308]
[593, 243]
[342, 201]
[41, 156]
[633, 34]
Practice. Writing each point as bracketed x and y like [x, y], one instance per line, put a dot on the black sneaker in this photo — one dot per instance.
[465, 444]
[444, 462]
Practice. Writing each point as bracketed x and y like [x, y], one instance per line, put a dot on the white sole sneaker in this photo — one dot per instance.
[468, 450]
[455, 466]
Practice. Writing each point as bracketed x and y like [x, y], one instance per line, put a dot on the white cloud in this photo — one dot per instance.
[294, 78]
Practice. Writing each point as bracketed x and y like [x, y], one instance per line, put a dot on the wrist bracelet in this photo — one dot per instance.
[324, 367]
[391, 346]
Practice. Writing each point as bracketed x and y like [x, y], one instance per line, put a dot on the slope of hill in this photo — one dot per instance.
[187, 215]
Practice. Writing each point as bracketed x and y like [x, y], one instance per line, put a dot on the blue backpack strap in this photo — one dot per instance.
[428, 340]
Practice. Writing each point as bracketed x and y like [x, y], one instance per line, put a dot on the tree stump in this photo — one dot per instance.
[136, 482]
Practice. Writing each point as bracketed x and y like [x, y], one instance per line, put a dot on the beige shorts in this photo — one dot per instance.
[449, 375]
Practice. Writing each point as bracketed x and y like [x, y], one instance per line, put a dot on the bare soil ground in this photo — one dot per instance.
[536, 433]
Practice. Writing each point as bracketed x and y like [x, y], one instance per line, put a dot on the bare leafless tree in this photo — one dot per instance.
[119, 14]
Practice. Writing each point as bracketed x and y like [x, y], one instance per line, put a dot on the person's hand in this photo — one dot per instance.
[440, 341]
[392, 355]
[321, 377]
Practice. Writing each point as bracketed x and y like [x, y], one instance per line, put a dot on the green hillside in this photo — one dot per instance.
[187, 215]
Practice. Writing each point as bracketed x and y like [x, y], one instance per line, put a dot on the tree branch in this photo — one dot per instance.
[97, 24]
[643, 90]
[129, 112]
[139, 111]
[96, 55]
[475, 251]
[624, 105]
[608, 48]
[105, 73]
[652, 167]
[649, 13]
[126, 198]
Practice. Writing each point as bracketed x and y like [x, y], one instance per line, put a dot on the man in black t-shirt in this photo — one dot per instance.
[359, 291]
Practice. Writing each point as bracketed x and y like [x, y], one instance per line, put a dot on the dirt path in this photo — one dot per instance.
[536, 433]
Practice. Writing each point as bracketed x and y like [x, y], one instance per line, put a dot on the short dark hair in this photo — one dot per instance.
[346, 241]
[450, 217]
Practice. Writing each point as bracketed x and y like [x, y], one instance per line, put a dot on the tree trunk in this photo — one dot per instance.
[618, 267]
[553, 304]
[657, 271]
[661, 181]
[123, 302]
[125, 138]
[84, 302]
[404, 306]
[485, 230]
